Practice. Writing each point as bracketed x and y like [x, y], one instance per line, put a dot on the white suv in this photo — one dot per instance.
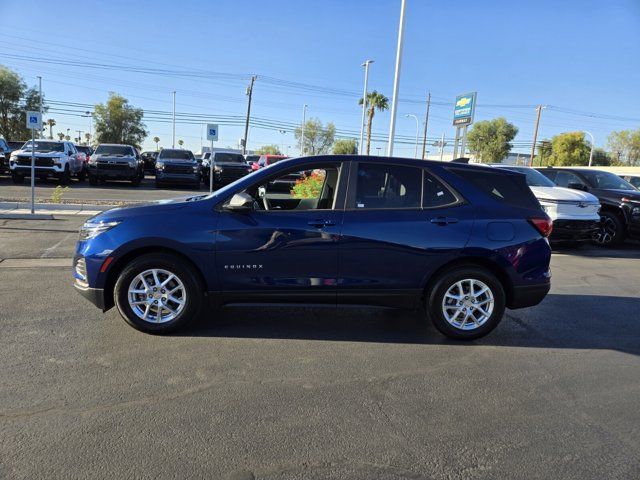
[52, 159]
[575, 213]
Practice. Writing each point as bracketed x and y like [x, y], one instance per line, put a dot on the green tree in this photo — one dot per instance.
[268, 150]
[180, 143]
[544, 151]
[345, 147]
[601, 158]
[490, 140]
[87, 138]
[15, 100]
[119, 122]
[375, 101]
[60, 135]
[51, 123]
[624, 146]
[318, 139]
[569, 149]
[156, 140]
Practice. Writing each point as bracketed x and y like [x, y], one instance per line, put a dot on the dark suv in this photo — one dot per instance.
[115, 162]
[463, 241]
[619, 200]
[227, 167]
[177, 166]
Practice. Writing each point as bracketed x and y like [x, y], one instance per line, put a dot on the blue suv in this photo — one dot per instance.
[462, 241]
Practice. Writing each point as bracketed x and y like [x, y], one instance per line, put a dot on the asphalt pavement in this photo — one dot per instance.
[302, 393]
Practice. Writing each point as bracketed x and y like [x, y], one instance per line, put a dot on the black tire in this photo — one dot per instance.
[194, 292]
[93, 180]
[65, 177]
[612, 230]
[17, 178]
[159, 184]
[439, 287]
[82, 175]
[136, 181]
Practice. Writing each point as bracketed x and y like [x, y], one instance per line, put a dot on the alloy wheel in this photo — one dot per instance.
[157, 296]
[468, 304]
[607, 232]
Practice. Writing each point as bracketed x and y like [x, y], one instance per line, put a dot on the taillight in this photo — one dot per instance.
[544, 225]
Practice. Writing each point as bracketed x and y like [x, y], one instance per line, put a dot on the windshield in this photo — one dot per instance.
[114, 150]
[533, 177]
[83, 149]
[168, 154]
[606, 180]
[228, 157]
[44, 147]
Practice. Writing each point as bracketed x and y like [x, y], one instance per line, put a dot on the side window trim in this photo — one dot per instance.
[459, 199]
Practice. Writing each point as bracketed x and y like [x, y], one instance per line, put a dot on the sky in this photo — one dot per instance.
[579, 58]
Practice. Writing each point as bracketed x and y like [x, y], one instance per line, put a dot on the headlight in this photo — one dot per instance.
[132, 163]
[92, 160]
[159, 165]
[195, 168]
[92, 230]
[217, 168]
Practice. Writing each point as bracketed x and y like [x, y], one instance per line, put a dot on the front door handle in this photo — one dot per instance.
[320, 223]
[443, 220]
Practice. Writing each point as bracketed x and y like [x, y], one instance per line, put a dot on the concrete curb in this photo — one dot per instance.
[55, 206]
[26, 216]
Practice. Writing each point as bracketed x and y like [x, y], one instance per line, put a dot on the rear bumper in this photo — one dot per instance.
[94, 295]
[574, 230]
[528, 295]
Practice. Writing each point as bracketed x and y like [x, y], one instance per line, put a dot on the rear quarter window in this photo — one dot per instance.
[507, 188]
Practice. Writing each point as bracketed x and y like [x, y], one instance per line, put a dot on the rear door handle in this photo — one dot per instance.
[443, 220]
[320, 223]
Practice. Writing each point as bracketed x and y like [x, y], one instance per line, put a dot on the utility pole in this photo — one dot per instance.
[535, 133]
[441, 147]
[173, 141]
[79, 135]
[364, 102]
[426, 123]
[593, 144]
[396, 81]
[40, 103]
[304, 125]
[246, 123]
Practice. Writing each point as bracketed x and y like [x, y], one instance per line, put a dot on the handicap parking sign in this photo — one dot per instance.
[34, 120]
[212, 132]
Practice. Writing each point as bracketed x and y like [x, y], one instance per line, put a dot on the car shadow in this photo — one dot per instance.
[595, 322]
[629, 249]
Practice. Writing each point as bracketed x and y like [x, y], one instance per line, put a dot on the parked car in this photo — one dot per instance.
[632, 178]
[464, 241]
[52, 159]
[252, 159]
[227, 167]
[112, 161]
[149, 159]
[575, 214]
[5, 154]
[619, 200]
[86, 149]
[266, 160]
[177, 166]
[15, 145]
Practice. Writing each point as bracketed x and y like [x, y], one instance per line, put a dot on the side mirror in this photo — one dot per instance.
[240, 203]
[577, 186]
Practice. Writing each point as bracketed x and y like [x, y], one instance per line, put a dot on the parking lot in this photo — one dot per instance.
[313, 393]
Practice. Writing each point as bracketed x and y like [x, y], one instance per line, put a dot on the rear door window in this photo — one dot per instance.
[381, 186]
[564, 179]
[435, 194]
[505, 187]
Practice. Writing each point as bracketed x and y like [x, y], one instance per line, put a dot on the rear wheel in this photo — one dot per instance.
[158, 293]
[65, 177]
[466, 303]
[611, 232]
[82, 174]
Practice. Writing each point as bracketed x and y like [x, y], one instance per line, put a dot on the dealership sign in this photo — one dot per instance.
[464, 109]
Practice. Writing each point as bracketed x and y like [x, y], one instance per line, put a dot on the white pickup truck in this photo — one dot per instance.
[55, 159]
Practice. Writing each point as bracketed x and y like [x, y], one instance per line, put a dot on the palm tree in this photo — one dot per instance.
[375, 101]
[52, 123]
[157, 140]
[180, 142]
[60, 135]
[87, 138]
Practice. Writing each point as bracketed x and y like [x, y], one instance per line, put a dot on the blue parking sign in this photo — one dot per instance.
[212, 132]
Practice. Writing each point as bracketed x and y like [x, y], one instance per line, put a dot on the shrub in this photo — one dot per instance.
[309, 186]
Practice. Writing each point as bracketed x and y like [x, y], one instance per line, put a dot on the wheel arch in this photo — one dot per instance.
[119, 265]
[475, 261]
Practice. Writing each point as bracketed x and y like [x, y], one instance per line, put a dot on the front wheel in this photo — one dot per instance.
[466, 303]
[82, 175]
[611, 231]
[65, 177]
[158, 293]
[17, 178]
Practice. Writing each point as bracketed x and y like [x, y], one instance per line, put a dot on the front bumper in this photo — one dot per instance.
[115, 172]
[528, 295]
[574, 230]
[178, 177]
[94, 295]
[39, 171]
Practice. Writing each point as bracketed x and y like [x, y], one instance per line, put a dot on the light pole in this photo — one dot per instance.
[364, 101]
[593, 144]
[396, 81]
[173, 141]
[539, 109]
[411, 115]
[67, 136]
[282, 132]
[90, 115]
[304, 122]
